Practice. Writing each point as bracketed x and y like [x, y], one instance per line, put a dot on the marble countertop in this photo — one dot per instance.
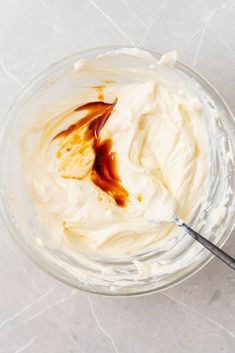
[37, 313]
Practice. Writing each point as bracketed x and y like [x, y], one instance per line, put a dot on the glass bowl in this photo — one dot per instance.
[213, 218]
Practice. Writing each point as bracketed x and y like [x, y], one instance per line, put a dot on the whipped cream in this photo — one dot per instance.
[107, 178]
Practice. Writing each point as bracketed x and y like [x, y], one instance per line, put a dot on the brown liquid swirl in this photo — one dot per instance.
[82, 153]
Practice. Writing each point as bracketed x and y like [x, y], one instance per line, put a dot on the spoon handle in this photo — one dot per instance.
[223, 256]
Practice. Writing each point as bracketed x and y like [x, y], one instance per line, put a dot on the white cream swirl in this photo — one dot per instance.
[160, 142]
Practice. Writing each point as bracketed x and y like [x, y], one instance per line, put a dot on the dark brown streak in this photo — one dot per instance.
[103, 173]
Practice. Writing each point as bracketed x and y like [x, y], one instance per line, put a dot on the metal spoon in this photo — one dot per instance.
[220, 254]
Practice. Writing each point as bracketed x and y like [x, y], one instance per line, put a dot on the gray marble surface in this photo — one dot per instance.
[37, 313]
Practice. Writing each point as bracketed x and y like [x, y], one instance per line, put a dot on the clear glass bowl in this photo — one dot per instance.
[19, 214]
